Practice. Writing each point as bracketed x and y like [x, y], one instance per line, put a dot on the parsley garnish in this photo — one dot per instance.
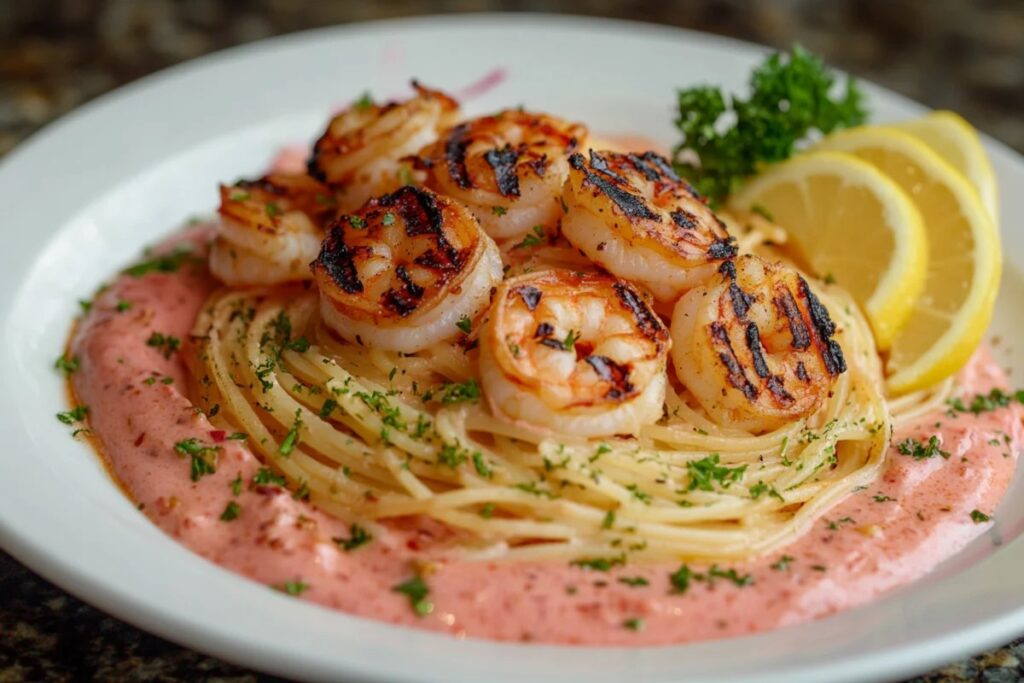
[790, 97]
[236, 484]
[634, 624]
[76, 414]
[680, 579]
[201, 457]
[481, 466]
[417, 590]
[357, 536]
[983, 403]
[327, 408]
[532, 239]
[364, 102]
[291, 439]
[599, 564]
[167, 343]
[979, 517]
[634, 581]
[388, 219]
[760, 488]
[465, 324]
[265, 476]
[167, 263]
[920, 450]
[783, 563]
[231, 511]
[356, 222]
[292, 588]
[123, 305]
[705, 472]
[570, 340]
[499, 210]
[66, 365]
[461, 392]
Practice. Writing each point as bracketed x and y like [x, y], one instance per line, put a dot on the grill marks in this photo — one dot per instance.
[455, 155]
[630, 204]
[423, 218]
[503, 163]
[615, 374]
[530, 296]
[646, 320]
[802, 336]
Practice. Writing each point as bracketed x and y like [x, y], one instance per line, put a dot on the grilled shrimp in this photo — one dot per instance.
[507, 168]
[269, 229]
[359, 152]
[577, 353]
[633, 215]
[755, 346]
[403, 270]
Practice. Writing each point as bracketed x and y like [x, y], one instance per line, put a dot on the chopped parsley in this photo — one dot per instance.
[532, 488]
[357, 536]
[634, 581]
[499, 210]
[291, 439]
[356, 222]
[705, 472]
[327, 408]
[599, 564]
[487, 511]
[167, 343]
[76, 414]
[460, 392]
[634, 624]
[979, 517]
[265, 476]
[300, 345]
[388, 219]
[983, 403]
[481, 466]
[123, 305]
[231, 511]
[609, 520]
[66, 365]
[364, 102]
[465, 324]
[570, 340]
[167, 263]
[236, 485]
[533, 238]
[681, 578]
[293, 588]
[760, 488]
[202, 457]
[920, 450]
[782, 564]
[417, 590]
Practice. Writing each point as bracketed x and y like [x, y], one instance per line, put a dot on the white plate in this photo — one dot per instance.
[84, 196]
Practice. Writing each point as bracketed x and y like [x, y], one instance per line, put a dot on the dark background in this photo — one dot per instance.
[56, 55]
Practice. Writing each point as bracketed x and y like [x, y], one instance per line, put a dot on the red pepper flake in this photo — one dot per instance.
[218, 435]
[140, 439]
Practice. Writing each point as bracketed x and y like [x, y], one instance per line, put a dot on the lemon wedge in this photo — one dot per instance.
[964, 260]
[849, 223]
[956, 141]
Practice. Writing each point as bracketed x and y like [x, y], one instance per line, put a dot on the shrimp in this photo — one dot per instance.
[755, 346]
[359, 154]
[269, 229]
[633, 216]
[575, 353]
[507, 168]
[404, 270]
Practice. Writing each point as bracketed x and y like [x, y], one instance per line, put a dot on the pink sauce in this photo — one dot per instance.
[916, 515]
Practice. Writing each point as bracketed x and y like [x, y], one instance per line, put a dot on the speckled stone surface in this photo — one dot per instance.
[58, 54]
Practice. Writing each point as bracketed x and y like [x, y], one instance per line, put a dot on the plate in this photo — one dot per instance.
[84, 196]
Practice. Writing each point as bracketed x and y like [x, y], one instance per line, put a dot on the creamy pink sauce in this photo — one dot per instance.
[923, 519]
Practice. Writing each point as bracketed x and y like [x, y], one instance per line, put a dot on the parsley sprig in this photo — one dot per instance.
[791, 95]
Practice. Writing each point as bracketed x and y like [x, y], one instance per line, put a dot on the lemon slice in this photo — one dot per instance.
[956, 141]
[848, 222]
[964, 260]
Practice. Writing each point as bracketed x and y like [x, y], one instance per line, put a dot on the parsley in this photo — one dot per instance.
[236, 484]
[715, 572]
[302, 493]
[531, 487]
[639, 494]
[265, 476]
[239, 195]
[301, 345]
[882, 498]
[570, 340]
[499, 210]
[364, 102]
[465, 324]
[790, 97]
[66, 365]
[532, 239]
[327, 408]
[760, 488]
[983, 403]
[231, 511]
[487, 511]
[291, 439]
[417, 590]
[76, 414]
[292, 588]
[680, 579]
[919, 450]
[167, 343]
[237, 436]
[123, 305]
[461, 392]
[634, 624]
[388, 219]
[634, 581]
[599, 564]
[200, 454]
[783, 563]
[356, 222]
[452, 455]
[979, 517]
[704, 473]
[272, 209]
[481, 466]
[167, 263]
[609, 520]
[357, 536]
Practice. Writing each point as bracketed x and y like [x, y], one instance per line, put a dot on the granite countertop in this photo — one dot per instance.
[57, 55]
